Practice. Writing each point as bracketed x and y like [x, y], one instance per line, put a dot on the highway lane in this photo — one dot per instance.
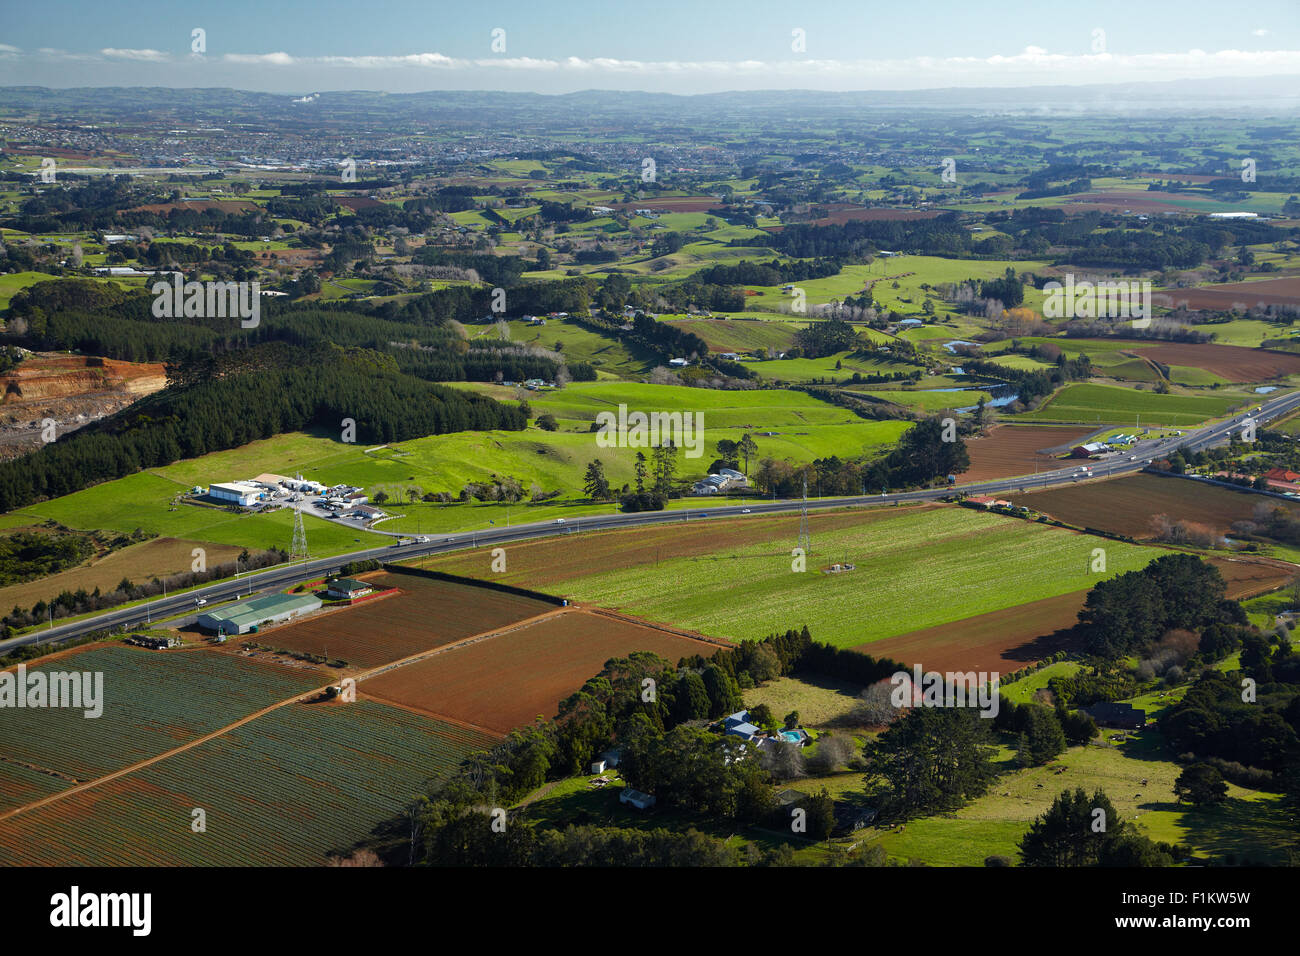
[281, 576]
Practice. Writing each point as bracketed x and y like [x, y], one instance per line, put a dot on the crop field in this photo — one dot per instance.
[1234, 295]
[1111, 405]
[269, 799]
[139, 562]
[427, 613]
[153, 701]
[1011, 450]
[1001, 641]
[505, 681]
[1011, 638]
[1130, 505]
[20, 784]
[1231, 363]
[916, 568]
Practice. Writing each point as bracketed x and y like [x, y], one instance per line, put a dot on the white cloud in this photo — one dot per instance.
[151, 56]
[273, 59]
[6, 48]
[1261, 32]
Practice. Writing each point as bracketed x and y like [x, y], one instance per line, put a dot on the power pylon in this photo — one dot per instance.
[805, 536]
[299, 547]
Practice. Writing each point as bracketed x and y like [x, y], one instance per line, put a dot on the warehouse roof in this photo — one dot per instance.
[263, 607]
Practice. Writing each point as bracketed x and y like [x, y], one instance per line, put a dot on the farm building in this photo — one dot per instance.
[850, 819]
[345, 589]
[245, 616]
[1088, 449]
[635, 798]
[235, 493]
[273, 482]
[1109, 714]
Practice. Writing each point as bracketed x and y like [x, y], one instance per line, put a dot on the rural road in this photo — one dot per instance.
[283, 576]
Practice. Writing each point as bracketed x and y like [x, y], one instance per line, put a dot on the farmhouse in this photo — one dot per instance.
[1110, 714]
[635, 798]
[345, 589]
[245, 616]
[235, 493]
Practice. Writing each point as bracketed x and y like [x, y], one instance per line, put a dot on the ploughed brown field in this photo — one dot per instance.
[1232, 362]
[1011, 450]
[1130, 505]
[502, 682]
[1007, 640]
[426, 613]
[1284, 291]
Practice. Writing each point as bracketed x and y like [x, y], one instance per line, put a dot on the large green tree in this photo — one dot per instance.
[934, 758]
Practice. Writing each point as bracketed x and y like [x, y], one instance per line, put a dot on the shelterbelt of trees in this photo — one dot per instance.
[243, 396]
[1090, 239]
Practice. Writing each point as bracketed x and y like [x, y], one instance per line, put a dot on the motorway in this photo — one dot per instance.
[282, 576]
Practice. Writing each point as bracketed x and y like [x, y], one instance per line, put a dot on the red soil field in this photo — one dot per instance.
[1011, 450]
[1007, 640]
[1245, 295]
[502, 682]
[1232, 362]
[1129, 505]
[427, 613]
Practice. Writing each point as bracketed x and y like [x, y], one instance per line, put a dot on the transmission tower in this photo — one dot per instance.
[299, 547]
[805, 536]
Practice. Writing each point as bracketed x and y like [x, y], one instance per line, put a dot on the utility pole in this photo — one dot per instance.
[805, 536]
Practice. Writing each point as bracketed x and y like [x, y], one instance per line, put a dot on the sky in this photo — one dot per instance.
[674, 46]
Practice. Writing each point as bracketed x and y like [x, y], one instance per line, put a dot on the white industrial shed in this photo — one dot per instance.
[235, 492]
